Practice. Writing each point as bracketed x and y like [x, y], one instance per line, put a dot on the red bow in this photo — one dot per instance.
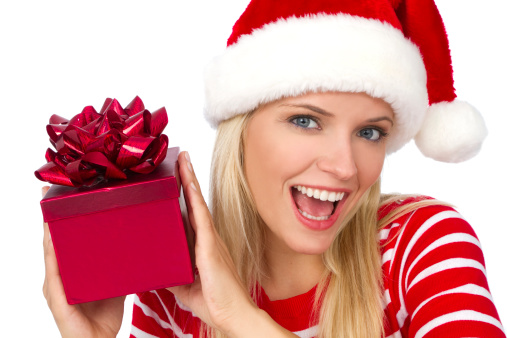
[92, 145]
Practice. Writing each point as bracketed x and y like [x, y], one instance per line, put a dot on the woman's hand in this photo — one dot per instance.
[217, 296]
[94, 319]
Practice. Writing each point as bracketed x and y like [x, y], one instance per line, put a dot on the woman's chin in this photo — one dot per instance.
[310, 246]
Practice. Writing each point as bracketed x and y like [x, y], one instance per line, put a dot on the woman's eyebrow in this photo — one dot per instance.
[310, 107]
[381, 118]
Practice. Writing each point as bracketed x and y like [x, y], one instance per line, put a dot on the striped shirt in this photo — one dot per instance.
[435, 286]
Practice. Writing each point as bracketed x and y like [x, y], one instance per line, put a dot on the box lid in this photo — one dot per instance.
[163, 183]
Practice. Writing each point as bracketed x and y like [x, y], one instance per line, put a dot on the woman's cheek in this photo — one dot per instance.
[290, 154]
[370, 163]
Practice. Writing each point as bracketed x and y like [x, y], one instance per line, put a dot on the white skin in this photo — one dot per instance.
[324, 140]
[331, 141]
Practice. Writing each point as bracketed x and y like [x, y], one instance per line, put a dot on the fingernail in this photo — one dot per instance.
[192, 185]
[187, 156]
[189, 166]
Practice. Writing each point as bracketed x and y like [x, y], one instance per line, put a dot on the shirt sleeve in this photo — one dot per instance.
[158, 314]
[438, 278]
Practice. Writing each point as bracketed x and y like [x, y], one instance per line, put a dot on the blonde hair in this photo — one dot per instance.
[350, 292]
[232, 206]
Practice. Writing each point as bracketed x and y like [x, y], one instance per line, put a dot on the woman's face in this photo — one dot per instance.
[330, 145]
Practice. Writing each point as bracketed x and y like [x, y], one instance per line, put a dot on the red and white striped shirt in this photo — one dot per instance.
[435, 286]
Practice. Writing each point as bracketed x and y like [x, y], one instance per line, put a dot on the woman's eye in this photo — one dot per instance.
[371, 134]
[305, 122]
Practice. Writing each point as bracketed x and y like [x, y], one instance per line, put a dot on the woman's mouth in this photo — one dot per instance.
[317, 205]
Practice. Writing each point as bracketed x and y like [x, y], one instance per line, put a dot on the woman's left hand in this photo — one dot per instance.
[217, 297]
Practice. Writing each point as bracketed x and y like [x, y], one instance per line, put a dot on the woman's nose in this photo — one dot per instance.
[339, 161]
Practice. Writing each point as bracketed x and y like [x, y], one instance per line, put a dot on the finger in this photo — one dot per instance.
[186, 179]
[53, 287]
[181, 292]
[54, 292]
[45, 245]
[45, 288]
[50, 261]
[47, 235]
[200, 216]
[190, 295]
[198, 211]
[44, 190]
[51, 264]
[191, 185]
[187, 170]
[209, 245]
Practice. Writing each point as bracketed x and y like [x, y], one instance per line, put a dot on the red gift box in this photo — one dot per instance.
[123, 236]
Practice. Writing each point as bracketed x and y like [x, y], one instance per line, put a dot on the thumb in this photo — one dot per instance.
[189, 295]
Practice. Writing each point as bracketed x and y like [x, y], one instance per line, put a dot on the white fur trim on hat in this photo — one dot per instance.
[451, 132]
[319, 53]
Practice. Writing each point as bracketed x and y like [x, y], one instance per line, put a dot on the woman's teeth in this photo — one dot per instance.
[321, 218]
[322, 195]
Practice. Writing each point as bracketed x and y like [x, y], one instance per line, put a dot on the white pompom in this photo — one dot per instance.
[451, 132]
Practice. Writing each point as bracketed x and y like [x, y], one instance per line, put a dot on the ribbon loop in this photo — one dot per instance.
[91, 146]
[158, 122]
[138, 123]
[135, 106]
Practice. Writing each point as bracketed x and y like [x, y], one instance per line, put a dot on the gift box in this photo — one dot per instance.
[121, 237]
[115, 212]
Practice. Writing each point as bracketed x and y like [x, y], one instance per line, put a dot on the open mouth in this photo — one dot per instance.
[316, 204]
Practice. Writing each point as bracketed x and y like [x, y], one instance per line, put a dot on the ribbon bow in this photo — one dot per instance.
[92, 146]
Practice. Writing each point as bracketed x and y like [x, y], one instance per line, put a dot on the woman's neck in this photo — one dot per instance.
[289, 273]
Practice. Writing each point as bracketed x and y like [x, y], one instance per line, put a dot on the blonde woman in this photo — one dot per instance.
[308, 98]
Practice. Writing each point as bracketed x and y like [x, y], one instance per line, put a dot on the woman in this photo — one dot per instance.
[308, 99]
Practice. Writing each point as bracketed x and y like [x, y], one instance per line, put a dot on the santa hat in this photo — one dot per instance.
[396, 50]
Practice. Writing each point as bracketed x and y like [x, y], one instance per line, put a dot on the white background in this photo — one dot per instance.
[59, 56]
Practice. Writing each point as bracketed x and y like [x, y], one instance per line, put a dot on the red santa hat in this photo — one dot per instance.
[396, 50]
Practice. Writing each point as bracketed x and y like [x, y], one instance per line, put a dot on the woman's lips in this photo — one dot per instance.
[322, 206]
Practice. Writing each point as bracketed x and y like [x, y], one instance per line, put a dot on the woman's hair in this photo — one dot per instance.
[350, 292]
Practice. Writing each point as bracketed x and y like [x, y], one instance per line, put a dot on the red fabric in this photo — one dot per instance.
[419, 20]
[261, 12]
[293, 313]
[434, 239]
[442, 265]
[423, 25]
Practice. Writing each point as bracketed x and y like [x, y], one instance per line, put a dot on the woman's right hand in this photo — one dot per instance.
[217, 296]
[94, 319]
